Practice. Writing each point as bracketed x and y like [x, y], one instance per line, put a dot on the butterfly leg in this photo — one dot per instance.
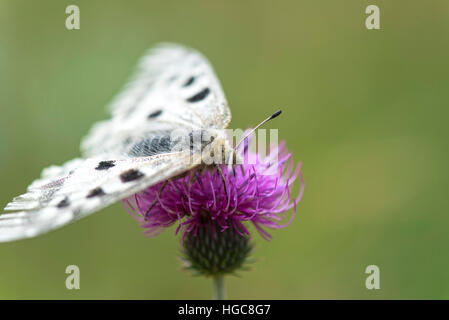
[224, 181]
[155, 199]
[242, 170]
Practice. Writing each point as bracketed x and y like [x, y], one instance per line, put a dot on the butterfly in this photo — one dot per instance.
[174, 89]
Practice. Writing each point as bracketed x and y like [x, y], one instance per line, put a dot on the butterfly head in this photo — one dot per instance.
[217, 148]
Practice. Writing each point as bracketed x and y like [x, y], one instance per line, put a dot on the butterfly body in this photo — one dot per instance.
[169, 119]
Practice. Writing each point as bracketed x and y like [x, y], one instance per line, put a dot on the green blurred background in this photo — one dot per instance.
[364, 110]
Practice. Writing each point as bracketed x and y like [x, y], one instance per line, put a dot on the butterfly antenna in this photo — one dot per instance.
[274, 115]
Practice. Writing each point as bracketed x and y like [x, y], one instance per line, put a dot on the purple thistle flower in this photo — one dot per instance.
[203, 198]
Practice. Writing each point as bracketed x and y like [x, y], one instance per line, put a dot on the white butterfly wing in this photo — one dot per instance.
[83, 186]
[174, 87]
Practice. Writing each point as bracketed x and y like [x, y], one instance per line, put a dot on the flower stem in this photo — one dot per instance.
[219, 288]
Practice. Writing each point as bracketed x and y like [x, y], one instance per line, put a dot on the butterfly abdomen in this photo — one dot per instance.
[151, 146]
[195, 141]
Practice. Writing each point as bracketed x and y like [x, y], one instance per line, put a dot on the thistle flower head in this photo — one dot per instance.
[232, 197]
[212, 208]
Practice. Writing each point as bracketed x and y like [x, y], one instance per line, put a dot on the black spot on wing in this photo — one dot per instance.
[199, 96]
[104, 165]
[155, 114]
[131, 175]
[63, 203]
[95, 193]
[189, 82]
